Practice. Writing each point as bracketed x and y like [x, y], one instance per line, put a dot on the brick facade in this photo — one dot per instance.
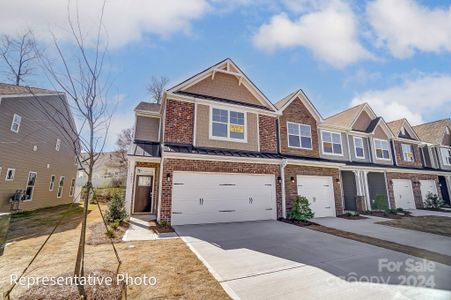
[171, 165]
[179, 122]
[267, 133]
[415, 179]
[291, 188]
[416, 154]
[298, 113]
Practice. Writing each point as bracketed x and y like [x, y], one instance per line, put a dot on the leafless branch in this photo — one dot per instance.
[157, 87]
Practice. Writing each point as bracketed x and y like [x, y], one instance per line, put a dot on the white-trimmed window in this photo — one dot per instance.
[10, 174]
[359, 149]
[31, 182]
[407, 152]
[15, 125]
[58, 145]
[299, 135]
[446, 155]
[60, 187]
[228, 125]
[52, 183]
[331, 142]
[72, 187]
[382, 148]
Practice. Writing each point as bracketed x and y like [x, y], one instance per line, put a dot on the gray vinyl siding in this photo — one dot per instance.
[366, 150]
[344, 145]
[16, 151]
[147, 128]
[377, 185]
[426, 157]
[381, 161]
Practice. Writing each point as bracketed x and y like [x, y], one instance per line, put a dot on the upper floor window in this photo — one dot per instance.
[446, 155]
[407, 152]
[358, 147]
[59, 194]
[52, 183]
[228, 125]
[382, 148]
[10, 173]
[299, 135]
[331, 143]
[58, 145]
[72, 187]
[15, 125]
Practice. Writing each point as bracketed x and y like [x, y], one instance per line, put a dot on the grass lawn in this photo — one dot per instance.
[178, 271]
[431, 224]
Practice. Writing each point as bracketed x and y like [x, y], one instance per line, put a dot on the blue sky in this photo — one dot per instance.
[396, 55]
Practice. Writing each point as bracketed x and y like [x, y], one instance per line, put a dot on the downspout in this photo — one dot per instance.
[160, 186]
[282, 176]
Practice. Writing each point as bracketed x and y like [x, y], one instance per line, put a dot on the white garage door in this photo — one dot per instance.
[402, 189]
[217, 197]
[319, 191]
[427, 186]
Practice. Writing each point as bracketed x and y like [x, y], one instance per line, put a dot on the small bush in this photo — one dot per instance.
[115, 224]
[379, 203]
[400, 210]
[116, 208]
[163, 223]
[391, 211]
[301, 210]
[433, 201]
[110, 233]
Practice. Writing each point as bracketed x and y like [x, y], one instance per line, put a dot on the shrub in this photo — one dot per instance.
[115, 224]
[391, 211]
[433, 201]
[116, 208]
[379, 203]
[163, 223]
[301, 210]
[110, 233]
[400, 210]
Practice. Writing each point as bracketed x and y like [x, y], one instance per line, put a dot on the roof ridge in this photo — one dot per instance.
[343, 111]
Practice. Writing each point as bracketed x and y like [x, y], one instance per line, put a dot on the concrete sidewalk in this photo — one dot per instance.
[422, 212]
[423, 240]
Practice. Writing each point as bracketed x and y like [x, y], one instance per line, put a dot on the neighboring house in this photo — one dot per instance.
[110, 170]
[217, 150]
[35, 154]
[436, 150]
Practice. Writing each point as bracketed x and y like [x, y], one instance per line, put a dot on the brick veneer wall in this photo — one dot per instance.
[268, 133]
[298, 113]
[416, 154]
[291, 189]
[179, 122]
[171, 165]
[156, 181]
[414, 178]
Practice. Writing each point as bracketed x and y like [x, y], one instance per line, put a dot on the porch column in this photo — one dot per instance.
[129, 188]
[361, 186]
[367, 190]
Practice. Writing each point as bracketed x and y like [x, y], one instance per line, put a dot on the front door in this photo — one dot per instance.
[444, 189]
[143, 194]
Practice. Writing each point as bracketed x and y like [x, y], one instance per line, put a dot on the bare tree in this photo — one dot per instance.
[124, 140]
[156, 88]
[19, 55]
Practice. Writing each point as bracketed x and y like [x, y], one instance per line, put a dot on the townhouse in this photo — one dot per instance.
[35, 156]
[217, 150]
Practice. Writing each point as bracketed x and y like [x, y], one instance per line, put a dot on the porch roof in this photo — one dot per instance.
[144, 149]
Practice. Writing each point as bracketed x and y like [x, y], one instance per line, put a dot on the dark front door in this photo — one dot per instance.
[444, 189]
[143, 194]
[349, 190]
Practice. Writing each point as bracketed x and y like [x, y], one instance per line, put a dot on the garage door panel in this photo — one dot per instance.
[225, 197]
[319, 191]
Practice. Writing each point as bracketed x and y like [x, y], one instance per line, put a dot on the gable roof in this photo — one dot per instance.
[380, 122]
[433, 132]
[347, 118]
[283, 103]
[229, 67]
[148, 106]
[11, 89]
[397, 125]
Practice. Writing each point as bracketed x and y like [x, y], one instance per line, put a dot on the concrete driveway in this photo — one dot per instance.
[274, 260]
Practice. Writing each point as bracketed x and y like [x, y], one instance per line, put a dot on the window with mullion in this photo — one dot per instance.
[358, 145]
[407, 152]
[228, 124]
[382, 148]
[331, 143]
[299, 135]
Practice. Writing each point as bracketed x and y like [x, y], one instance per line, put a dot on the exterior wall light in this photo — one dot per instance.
[279, 179]
[292, 179]
[168, 177]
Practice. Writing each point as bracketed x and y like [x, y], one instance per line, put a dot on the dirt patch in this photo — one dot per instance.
[382, 214]
[432, 224]
[97, 233]
[352, 217]
[421, 253]
[70, 291]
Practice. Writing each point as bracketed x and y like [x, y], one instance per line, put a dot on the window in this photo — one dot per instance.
[228, 125]
[446, 155]
[10, 173]
[331, 143]
[358, 147]
[382, 148]
[60, 187]
[407, 152]
[30, 185]
[58, 145]
[72, 187]
[15, 125]
[299, 135]
[52, 183]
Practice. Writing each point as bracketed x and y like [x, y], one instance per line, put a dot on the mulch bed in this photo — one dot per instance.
[97, 233]
[298, 223]
[352, 217]
[70, 291]
[162, 229]
[382, 214]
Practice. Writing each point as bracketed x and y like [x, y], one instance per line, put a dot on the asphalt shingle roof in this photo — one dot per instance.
[344, 118]
[147, 106]
[11, 89]
[432, 132]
